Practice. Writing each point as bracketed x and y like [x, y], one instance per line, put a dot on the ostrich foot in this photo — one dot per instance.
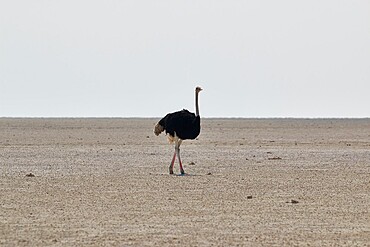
[171, 170]
[182, 172]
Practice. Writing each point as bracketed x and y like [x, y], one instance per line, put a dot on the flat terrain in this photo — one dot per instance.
[251, 182]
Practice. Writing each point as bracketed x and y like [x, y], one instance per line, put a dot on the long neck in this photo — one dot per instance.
[196, 104]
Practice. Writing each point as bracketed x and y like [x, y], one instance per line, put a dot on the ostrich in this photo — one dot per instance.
[179, 126]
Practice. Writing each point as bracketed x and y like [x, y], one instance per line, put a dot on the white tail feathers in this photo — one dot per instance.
[158, 129]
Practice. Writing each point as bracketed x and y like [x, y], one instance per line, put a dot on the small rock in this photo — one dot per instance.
[249, 197]
[274, 158]
[191, 164]
[293, 201]
[209, 173]
[30, 175]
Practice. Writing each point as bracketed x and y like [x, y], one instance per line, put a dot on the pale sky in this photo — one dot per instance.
[143, 58]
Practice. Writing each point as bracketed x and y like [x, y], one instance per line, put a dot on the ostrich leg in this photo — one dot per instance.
[178, 155]
[172, 163]
[177, 148]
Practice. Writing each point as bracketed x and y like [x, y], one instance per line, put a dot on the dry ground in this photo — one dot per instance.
[104, 182]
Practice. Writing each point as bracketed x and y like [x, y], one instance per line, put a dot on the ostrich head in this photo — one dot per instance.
[198, 89]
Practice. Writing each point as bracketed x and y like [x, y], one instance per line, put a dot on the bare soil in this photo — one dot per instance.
[249, 182]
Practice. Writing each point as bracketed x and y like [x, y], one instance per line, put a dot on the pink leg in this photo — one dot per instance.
[172, 163]
[178, 155]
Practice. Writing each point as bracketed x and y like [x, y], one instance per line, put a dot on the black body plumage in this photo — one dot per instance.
[185, 124]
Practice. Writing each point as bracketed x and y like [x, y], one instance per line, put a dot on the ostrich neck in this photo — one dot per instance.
[196, 104]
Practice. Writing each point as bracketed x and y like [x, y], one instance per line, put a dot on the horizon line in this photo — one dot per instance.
[208, 117]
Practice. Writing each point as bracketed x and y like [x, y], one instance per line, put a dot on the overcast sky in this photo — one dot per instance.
[262, 58]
